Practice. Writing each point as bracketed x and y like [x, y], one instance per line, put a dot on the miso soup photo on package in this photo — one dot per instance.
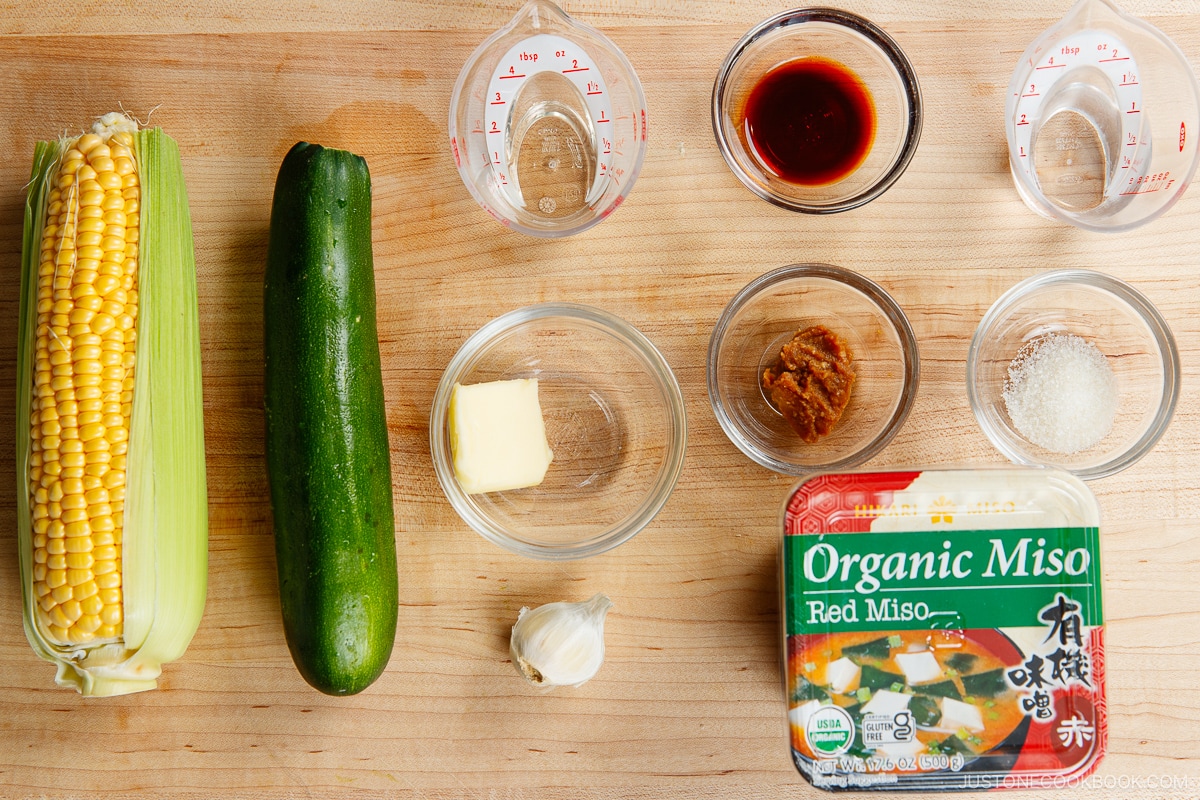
[943, 629]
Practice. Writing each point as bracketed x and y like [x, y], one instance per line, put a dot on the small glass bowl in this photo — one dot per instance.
[865, 50]
[766, 315]
[614, 419]
[1120, 322]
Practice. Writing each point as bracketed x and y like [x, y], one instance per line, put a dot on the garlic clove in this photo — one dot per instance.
[560, 644]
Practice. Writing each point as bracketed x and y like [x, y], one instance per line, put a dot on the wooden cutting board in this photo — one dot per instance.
[688, 703]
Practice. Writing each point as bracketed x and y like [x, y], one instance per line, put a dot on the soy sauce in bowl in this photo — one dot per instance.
[810, 121]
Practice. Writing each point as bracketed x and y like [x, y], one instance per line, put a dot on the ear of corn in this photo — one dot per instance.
[112, 500]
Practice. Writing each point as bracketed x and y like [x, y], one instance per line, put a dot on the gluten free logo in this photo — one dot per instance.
[830, 731]
[884, 729]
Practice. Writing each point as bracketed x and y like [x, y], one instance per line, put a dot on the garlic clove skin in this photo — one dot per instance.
[560, 644]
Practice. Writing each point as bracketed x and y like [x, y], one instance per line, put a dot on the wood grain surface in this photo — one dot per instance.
[688, 703]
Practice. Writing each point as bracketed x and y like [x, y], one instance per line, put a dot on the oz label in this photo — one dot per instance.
[830, 731]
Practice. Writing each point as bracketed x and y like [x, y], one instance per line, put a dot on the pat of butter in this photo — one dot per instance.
[497, 436]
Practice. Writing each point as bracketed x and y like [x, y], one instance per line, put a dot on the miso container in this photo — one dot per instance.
[943, 629]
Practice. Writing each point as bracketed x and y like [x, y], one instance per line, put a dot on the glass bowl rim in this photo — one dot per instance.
[656, 366]
[877, 36]
[1142, 308]
[881, 300]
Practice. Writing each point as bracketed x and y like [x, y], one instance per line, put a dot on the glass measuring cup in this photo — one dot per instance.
[548, 123]
[1103, 120]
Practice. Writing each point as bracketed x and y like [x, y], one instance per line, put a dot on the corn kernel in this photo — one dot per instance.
[91, 605]
[72, 610]
[78, 576]
[109, 580]
[79, 561]
[79, 544]
[112, 615]
[77, 635]
[58, 617]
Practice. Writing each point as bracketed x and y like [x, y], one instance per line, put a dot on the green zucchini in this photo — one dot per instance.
[328, 457]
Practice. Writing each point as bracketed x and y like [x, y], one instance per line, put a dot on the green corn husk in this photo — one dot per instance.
[165, 538]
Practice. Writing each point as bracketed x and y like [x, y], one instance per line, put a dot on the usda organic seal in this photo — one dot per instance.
[830, 731]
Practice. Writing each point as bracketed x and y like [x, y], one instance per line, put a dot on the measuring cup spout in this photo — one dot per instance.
[538, 15]
[1094, 15]
[1101, 13]
[1093, 12]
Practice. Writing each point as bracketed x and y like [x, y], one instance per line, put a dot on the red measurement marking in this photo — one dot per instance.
[1035, 94]
[602, 119]
[1053, 66]
[1109, 60]
[591, 93]
[1019, 124]
[1134, 111]
[1132, 83]
[497, 102]
[1138, 191]
[503, 77]
[577, 69]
